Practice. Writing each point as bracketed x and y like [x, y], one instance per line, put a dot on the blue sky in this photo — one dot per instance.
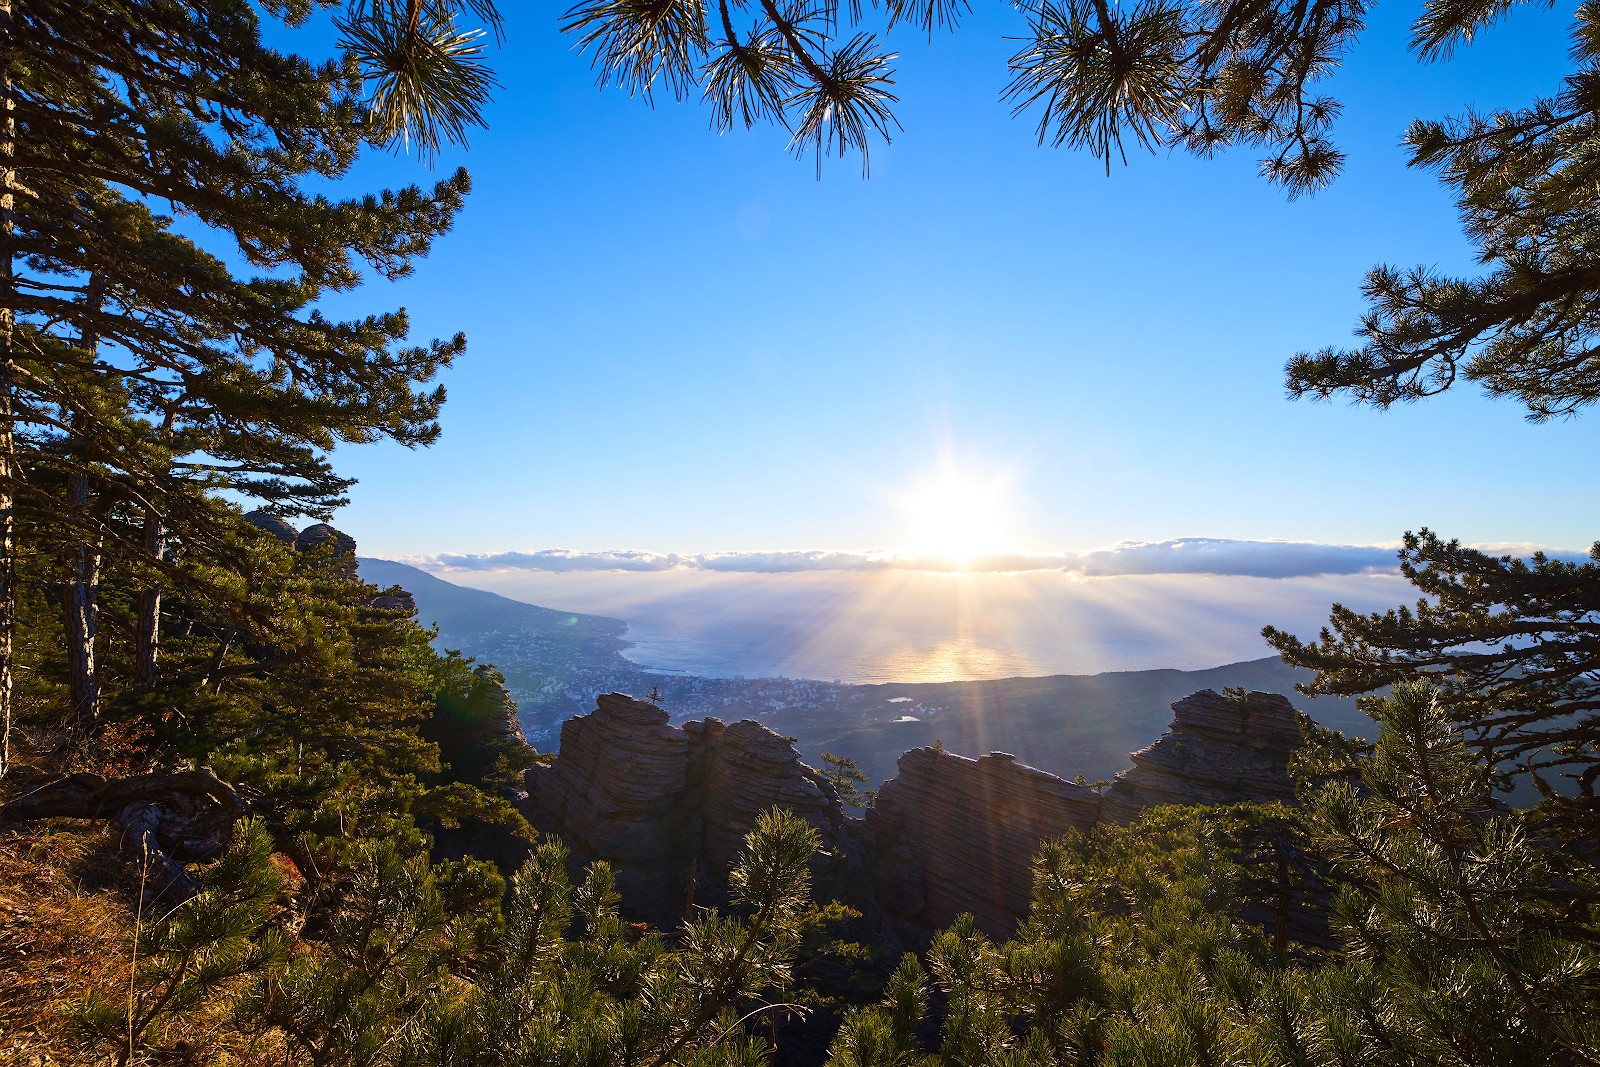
[683, 342]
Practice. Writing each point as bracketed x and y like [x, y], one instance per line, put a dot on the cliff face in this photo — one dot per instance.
[1218, 750]
[736, 773]
[950, 834]
[669, 808]
[611, 795]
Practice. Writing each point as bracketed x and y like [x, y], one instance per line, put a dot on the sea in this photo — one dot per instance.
[923, 627]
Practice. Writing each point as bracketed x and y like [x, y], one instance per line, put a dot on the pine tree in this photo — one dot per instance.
[1511, 646]
[1479, 931]
[114, 106]
[194, 953]
[568, 982]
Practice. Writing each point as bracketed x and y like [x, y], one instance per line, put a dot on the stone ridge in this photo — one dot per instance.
[669, 807]
[1219, 750]
[611, 794]
[950, 834]
[736, 773]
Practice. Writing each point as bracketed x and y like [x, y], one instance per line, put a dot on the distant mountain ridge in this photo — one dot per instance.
[458, 609]
[556, 663]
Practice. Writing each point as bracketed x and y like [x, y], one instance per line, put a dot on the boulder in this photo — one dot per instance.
[320, 534]
[275, 525]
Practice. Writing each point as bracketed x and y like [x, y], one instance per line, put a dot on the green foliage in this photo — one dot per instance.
[469, 700]
[1519, 175]
[842, 773]
[1203, 75]
[1463, 937]
[1508, 644]
[379, 965]
[1454, 903]
[568, 982]
[194, 954]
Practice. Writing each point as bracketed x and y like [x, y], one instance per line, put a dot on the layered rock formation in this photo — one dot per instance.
[951, 834]
[669, 807]
[1220, 749]
[612, 794]
[321, 533]
[275, 525]
[737, 772]
[499, 718]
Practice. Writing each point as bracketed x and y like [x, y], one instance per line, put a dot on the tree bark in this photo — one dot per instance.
[147, 645]
[146, 669]
[8, 322]
[83, 592]
[83, 612]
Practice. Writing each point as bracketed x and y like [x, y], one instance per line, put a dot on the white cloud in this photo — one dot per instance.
[1190, 555]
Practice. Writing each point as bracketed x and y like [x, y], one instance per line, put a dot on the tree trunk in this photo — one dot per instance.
[145, 670]
[147, 647]
[83, 611]
[83, 592]
[221, 657]
[8, 443]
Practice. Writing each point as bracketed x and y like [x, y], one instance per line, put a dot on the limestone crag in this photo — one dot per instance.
[500, 720]
[613, 793]
[324, 538]
[397, 600]
[1220, 749]
[951, 834]
[343, 549]
[736, 773]
[668, 808]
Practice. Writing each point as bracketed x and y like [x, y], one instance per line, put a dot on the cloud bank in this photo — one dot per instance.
[1190, 555]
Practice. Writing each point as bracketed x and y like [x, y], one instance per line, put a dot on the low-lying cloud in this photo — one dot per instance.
[1190, 555]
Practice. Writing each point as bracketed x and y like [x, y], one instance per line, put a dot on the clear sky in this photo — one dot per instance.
[683, 342]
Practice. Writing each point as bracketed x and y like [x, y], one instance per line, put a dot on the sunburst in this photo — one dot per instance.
[959, 516]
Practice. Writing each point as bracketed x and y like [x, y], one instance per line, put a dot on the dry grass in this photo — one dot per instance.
[66, 927]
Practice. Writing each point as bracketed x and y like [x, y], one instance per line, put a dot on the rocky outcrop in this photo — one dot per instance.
[320, 534]
[669, 807]
[324, 538]
[1220, 749]
[343, 549]
[275, 525]
[950, 834]
[499, 710]
[613, 793]
[396, 599]
[737, 772]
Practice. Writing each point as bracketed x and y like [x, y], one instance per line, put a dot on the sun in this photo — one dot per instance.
[958, 516]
